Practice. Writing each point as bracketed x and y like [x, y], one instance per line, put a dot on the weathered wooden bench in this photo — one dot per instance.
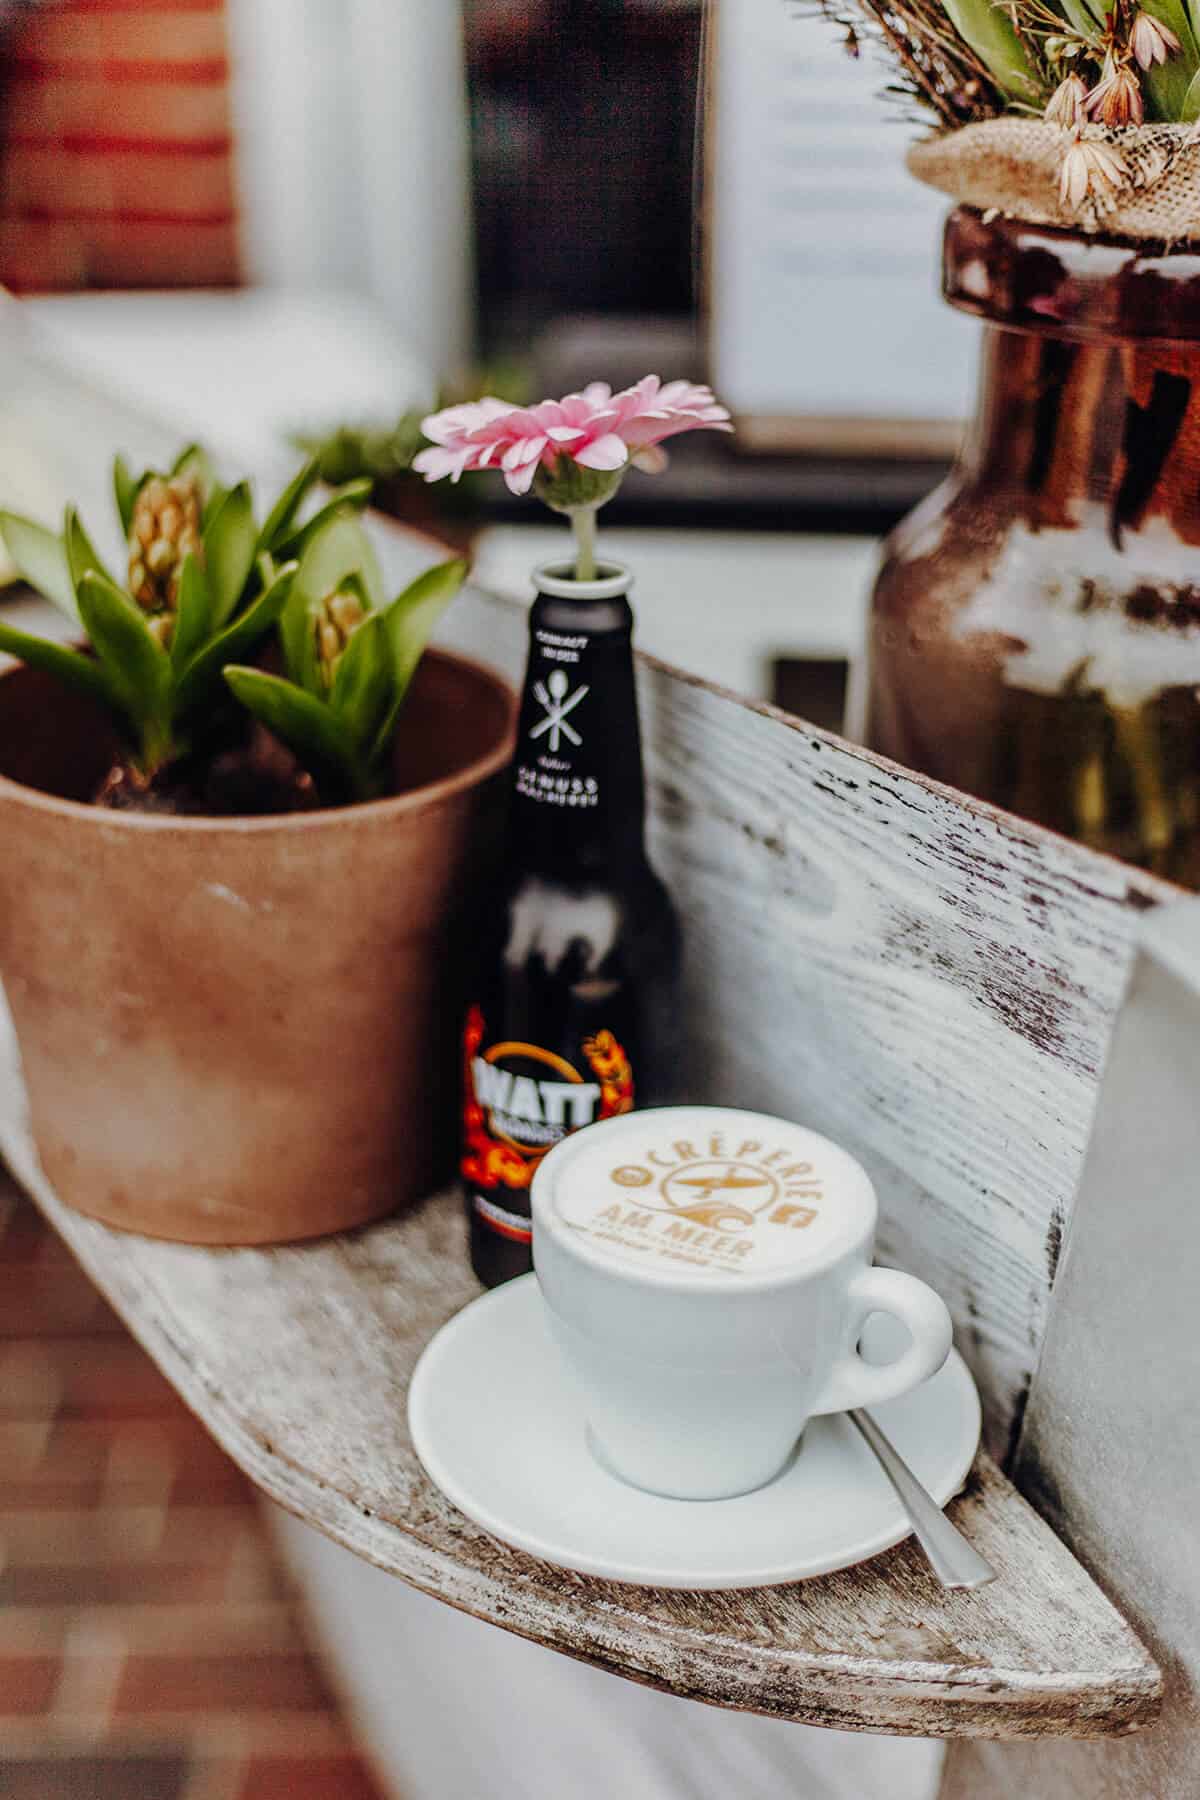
[930, 982]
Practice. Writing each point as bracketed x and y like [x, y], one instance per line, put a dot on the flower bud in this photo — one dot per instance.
[1090, 167]
[1065, 105]
[164, 530]
[338, 617]
[566, 486]
[1151, 41]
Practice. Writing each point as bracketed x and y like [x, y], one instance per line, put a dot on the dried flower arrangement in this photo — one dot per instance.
[1069, 61]
[1070, 112]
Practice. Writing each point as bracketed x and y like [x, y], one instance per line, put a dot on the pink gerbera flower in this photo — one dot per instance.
[597, 430]
[577, 450]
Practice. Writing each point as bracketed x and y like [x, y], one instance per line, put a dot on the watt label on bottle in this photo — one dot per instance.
[519, 1101]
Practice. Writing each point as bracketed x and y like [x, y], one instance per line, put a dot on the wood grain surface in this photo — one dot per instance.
[298, 1360]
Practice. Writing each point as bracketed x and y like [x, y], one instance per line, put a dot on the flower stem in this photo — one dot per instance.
[583, 521]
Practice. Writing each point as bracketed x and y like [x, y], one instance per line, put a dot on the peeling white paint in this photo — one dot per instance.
[1036, 592]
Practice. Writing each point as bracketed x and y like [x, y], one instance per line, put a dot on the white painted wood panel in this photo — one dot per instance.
[1111, 1449]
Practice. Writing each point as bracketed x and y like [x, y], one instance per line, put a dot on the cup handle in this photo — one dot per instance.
[855, 1382]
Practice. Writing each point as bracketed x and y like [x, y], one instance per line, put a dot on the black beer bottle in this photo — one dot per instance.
[573, 1013]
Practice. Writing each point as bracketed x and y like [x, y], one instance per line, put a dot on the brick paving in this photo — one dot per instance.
[149, 1647]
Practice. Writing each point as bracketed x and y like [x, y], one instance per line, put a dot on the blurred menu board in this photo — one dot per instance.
[825, 326]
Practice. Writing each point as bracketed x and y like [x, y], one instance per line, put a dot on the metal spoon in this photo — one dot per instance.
[953, 1560]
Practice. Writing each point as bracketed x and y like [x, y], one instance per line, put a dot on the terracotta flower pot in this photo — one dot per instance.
[241, 1031]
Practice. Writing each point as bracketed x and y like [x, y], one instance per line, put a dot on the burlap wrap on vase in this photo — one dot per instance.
[1014, 166]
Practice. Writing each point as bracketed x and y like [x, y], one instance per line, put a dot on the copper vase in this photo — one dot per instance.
[1035, 633]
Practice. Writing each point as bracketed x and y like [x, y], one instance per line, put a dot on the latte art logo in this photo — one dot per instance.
[714, 1204]
[719, 1193]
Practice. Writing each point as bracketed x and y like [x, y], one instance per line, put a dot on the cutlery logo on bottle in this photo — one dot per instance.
[558, 702]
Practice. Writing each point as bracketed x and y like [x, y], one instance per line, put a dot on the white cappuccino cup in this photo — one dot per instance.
[707, 1275]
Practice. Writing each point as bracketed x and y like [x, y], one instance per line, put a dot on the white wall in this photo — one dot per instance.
[456, 1710]
[351, 142]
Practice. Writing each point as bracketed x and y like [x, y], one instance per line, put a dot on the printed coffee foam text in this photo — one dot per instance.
[721, 1204]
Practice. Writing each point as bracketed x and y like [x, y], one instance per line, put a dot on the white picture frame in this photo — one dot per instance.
[825, 329]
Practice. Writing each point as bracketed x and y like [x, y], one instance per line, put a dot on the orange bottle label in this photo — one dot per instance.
[519, 1100]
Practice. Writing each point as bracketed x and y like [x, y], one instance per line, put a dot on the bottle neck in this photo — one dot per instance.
[578, 793]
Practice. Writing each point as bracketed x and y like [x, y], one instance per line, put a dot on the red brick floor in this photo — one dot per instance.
[149, 1648]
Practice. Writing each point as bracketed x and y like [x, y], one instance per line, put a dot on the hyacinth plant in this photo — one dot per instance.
[572, 453]
[205, 587]
[349, 656]
[203, 583]
[1075, 62]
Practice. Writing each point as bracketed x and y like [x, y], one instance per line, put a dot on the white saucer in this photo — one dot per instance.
[499, 1430]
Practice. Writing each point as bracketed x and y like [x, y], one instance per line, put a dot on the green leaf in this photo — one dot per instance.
[216, 499]
[297, 636]
[409, 622]
[280, 517]
[413, 614]
[310, 729]
[136, 665]
[193, 618]
[194, 459]
[1190, 108]
[339, 550]
[41, 558]
[350, 498]
[230, 542]
[82, 557]
[126, 487]
[1081, 15]
[354, 585]
[986, 26]
[362, 685]
[1168, 86]
[83, 674]
[237, 640]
